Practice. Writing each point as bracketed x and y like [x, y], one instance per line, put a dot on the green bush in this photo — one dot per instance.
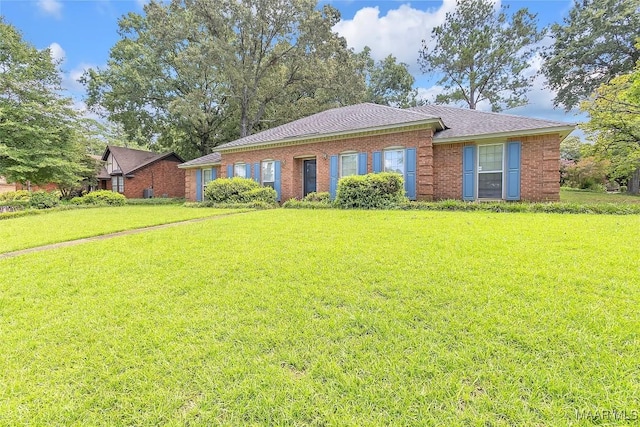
[238, 190]
[261, 194]
[371, 191]
[303, 204]
[44, 200]
[101, 197]
[15, 195]
[235, 205]
[322, 197]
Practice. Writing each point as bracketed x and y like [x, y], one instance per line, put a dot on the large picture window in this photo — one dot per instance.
[348, 164]
[490, 173]
[268, 173]
[394, 161]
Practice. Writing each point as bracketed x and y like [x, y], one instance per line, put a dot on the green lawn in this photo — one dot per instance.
[60, 226]
[286, 317]
[583, 196]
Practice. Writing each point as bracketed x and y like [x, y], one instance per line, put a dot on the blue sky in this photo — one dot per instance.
[81, 32]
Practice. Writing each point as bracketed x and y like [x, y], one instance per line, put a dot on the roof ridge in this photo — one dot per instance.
[493, 113]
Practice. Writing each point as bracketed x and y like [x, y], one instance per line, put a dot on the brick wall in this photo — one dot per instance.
[447, 171]
[163, 175]
[292, 157]
[540, 168]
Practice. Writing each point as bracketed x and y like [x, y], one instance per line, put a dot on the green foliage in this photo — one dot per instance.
[254, 205]
[321, 197]
[371, 191]
[572, 148]
[482, 54]
[156, 201]
[303, 204]
[593, 45]
[101, 197]
[614, 126]
[588, 173]
[39, 129]
[191, 75]
[44, 200]
[388, 82]
[15, 195]
[238, 190]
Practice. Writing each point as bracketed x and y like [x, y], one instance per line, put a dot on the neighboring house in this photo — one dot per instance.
[442, 152]
[138, 173]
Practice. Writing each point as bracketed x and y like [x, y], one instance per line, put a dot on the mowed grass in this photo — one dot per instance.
[583, 196]
[61, 226]
[339, 318]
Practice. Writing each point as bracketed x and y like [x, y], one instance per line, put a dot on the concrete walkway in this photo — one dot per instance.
[111, 235]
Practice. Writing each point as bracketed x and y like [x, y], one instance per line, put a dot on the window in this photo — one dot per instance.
[240, 169]
[348, 164]
[117, 184]
[206, 178]
[394, 161]
[490, 163]
[268, 173]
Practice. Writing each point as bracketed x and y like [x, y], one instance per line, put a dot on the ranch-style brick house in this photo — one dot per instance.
[442, 153]
[140, 173]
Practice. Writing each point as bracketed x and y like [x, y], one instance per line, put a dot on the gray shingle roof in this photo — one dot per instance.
[462, 122]
[352, 118]
[209, 159]
[131, 160]
[451, 123]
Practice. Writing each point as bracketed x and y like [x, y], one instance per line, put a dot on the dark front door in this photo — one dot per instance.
[309, 177]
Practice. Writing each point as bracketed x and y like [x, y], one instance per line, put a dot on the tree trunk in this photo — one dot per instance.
[633, 186]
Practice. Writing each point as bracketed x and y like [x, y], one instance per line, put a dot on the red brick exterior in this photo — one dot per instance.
[292, 157]
[439, 166]
[164, 176]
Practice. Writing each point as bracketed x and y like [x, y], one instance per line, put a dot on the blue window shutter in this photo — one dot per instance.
[198, 185]
[362, 163]
[377, 162]
[513, 170]
[247, 170]
[333, 176]
[256, 172]
[214, 173]
[229, 171]
[276, 184]
[410, 173]
[468, 172]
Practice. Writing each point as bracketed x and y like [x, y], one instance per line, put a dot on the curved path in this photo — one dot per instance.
[111, 235]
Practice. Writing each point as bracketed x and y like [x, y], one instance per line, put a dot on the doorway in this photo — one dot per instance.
[309, 177]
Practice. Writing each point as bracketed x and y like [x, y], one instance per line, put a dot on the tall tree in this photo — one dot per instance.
[39, 129]
[593, 45]
[388, 82]
[194, 73]
[481, 54]
[614, 126]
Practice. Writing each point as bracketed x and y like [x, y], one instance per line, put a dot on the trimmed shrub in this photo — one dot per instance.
[322, 197]
[249, 205]
[303, 204]
[44, 200]
[371, 191]
[238, 190]
[15, 195]
[101, 197]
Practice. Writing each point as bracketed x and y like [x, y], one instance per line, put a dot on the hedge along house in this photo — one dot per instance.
[141, 174]
[442, 153]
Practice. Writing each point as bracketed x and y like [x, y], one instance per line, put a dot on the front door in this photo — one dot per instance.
[309, 177]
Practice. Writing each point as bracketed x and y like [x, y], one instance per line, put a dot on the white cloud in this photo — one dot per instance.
[400, 32]
[70, 79]
[51, 7]
[57, 52]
